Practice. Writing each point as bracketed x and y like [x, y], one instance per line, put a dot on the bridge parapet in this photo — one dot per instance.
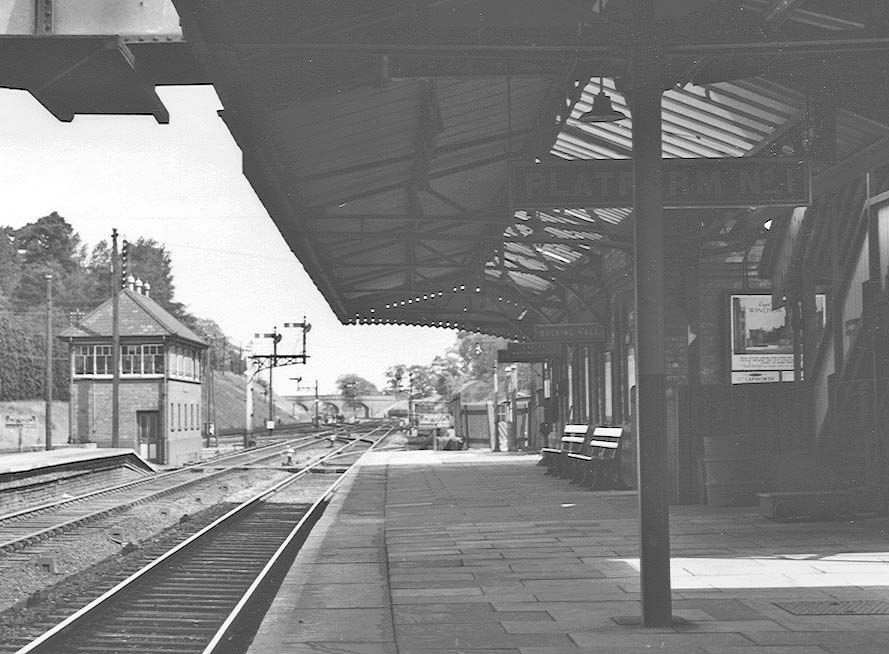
[370, 406]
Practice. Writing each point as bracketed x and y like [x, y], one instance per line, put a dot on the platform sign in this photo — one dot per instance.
[570, 333]
[688, 183]
[529, 352]
[28, 421]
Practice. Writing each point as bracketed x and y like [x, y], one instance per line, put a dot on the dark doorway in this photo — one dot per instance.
[150, 444]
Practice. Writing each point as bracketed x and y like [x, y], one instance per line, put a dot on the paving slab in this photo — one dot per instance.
[480, 552]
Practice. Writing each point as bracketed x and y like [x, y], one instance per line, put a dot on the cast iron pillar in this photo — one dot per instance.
[651, 413]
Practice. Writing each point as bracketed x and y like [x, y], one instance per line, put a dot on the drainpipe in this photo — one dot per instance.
[163, 422]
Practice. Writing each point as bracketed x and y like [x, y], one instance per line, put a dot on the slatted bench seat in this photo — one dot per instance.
[572, 441]
[597, 465]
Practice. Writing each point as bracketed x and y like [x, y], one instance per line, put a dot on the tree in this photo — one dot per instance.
[421, 381]
[396, 379]
[49, 239]
[223, 355]
[352, 386]
[48, 245]
[150, 262]
[10, 266]
[446, 374]
[478, 354]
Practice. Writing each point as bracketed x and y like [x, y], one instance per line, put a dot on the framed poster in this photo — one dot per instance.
[762, 338]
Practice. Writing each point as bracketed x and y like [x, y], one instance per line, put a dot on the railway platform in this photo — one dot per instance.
[67, 457]
[480, 552]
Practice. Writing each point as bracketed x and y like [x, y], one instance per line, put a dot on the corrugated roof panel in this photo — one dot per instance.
[698, 99]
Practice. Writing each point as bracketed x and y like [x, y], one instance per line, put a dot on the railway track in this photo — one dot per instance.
[27, 526]
[207, 594]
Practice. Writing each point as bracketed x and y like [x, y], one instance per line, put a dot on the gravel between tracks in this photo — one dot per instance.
[47, 606]
[77, 550]
[85, 559]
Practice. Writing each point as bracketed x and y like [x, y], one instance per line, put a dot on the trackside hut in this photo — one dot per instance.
[160, 380]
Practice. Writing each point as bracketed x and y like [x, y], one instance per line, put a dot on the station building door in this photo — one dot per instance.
[150, 447]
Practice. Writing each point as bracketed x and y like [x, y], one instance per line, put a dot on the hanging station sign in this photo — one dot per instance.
[529, 352]
[687, 183]
[570, 333]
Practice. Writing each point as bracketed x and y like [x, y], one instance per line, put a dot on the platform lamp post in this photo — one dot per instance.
[494, 424]
[495, 445]
[510, 408]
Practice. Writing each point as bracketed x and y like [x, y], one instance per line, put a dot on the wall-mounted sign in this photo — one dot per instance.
[529, 352]
[761, 338]
[28, 421]
[717, 182]
[570, 333]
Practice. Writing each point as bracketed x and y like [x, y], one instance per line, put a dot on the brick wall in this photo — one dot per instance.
[183, 422]
[92, 414]
[92, 409]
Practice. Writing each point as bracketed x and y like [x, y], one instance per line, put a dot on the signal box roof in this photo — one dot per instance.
[140, 316]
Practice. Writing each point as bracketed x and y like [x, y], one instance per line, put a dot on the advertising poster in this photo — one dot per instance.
[762, 339]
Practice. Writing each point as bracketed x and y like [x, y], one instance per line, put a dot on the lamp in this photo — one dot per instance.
[602, 111]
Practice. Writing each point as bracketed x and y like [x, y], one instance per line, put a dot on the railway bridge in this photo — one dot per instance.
[362, 406]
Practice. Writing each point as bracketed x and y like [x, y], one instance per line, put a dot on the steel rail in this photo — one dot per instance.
[49, 637]
[230, 624]
[136, 482]
[20, 541]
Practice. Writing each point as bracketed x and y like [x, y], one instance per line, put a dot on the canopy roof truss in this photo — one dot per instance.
[380, 139]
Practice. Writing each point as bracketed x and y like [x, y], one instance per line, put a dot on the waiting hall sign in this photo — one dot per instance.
[529, 352]
[687, 183]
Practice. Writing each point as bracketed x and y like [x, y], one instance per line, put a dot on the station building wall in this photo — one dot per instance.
[184, 421]
[181, 413]
[697, 350]
[91, 408]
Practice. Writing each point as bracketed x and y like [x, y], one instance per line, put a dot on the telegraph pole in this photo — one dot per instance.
[317, 417]
[115, 341]
[47, 381]
[275, 338]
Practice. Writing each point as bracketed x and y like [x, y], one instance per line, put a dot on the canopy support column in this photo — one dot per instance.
[651, 413]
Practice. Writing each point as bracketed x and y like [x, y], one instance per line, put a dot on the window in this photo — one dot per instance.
[103, 359]
[84, 360]
[130, 363]
[152, 359]
[185, 362]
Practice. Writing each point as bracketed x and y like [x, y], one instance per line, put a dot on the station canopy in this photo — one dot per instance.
[379, 135]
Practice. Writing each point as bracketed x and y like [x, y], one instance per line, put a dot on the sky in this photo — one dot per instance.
[181, 184]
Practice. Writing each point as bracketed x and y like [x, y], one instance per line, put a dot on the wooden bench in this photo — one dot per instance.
[597, 465]
[572, 441]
